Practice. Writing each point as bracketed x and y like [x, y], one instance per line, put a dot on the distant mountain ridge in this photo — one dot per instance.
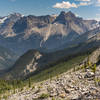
[7, 58]
[21, 33]
[34, 61]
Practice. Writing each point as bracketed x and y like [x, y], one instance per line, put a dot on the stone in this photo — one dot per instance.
[75, 97]
[89, 75]
[67, 91]
[62, 95]
[80, 77]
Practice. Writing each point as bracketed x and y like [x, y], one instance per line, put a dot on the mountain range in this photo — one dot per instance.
[45, 33]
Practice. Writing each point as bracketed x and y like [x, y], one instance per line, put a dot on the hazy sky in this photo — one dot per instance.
[88, 9]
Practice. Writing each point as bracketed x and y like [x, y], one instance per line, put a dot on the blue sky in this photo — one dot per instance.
[88, 9]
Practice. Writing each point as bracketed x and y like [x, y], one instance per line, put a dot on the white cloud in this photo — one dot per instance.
[98, 19]
[84, 0]
[85, 3]
[98, 14]
[65, 5]
[98, 3]
[68, 5]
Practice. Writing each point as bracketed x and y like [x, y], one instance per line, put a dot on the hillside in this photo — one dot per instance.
[42, 75]
[78, 85]
[62, 81]
[34, 61]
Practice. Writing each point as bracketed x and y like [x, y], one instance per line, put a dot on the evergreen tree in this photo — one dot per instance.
[29, 82]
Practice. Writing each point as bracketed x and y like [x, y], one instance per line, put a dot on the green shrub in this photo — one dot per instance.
[43, 96]
[53, 98]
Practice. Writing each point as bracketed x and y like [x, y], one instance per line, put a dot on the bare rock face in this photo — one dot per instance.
[95, 56]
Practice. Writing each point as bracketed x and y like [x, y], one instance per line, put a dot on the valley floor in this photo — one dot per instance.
[72, 85]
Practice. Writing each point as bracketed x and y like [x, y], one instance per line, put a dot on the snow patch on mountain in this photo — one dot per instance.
[96, 25]
[2, 20]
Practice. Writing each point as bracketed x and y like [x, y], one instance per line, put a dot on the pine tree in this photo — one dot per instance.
[29, 82]
[94, 69]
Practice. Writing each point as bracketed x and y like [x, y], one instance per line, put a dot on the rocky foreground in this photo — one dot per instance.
[72, 85]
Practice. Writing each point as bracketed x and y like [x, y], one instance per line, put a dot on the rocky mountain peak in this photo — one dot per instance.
[70, 14]
[62, 13]
[15, 15]
[64, 17]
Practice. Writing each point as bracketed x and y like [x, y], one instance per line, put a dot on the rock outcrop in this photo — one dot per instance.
[95, 56]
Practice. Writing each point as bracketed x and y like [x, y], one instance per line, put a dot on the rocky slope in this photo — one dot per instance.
[21, 33]
[78, 85]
